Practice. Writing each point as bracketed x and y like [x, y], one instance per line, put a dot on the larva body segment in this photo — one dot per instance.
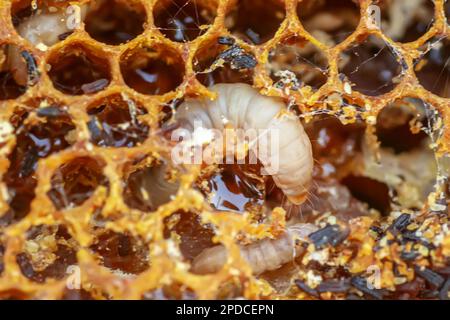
[243, 107]
[264, 255]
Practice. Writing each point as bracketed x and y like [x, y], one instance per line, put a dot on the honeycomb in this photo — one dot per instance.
[81, 137]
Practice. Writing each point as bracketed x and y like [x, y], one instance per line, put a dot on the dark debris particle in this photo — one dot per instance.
[96, 132]
[27, 268]
[238, 58]
[427, 244]
[335, 286]
[27, 167]
[390, 242]
[443, 294]
[400, 224]
[32, 69]
[95, 86]
[361, 284]
[307, 289]
[379, 231]
[403, 64]
[429, 294]
[433, 278]
[411, 236]
[409, 256]
[331, 234]
[353, 297]
[227, 41]
[244, 61]
[65, 35]
[50, 112]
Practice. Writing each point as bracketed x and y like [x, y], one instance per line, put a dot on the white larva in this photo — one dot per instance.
[264, 255]
[42, 30]
[243, 107]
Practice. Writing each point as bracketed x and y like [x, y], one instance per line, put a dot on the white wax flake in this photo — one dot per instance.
[89, 146]
[157, 250]
[332, 220]
[145, 194]
[313, 280]
[438, 240]
[372, 120]
[172, 249]
[42, 47]
[433, 146]
[437, 207]
[123, 275]
[124, 126]
[320, 256]
[4, 192]
[347, 88]
[287, 78]
[235, 272]
[225, 121]
[6, 130]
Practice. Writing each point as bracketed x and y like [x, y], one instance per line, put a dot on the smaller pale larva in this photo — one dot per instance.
[264, 255]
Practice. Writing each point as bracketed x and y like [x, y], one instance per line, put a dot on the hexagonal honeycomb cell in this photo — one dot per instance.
[96, 98]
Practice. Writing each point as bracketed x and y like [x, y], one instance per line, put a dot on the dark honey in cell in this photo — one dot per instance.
[114, 22]
[236, 187]
[152, 75]
[194, 236]
[33, 143]
[122, 252]
[182, 21]
[76, 73]
[75, 182]
[255, 21]
[115, 124]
